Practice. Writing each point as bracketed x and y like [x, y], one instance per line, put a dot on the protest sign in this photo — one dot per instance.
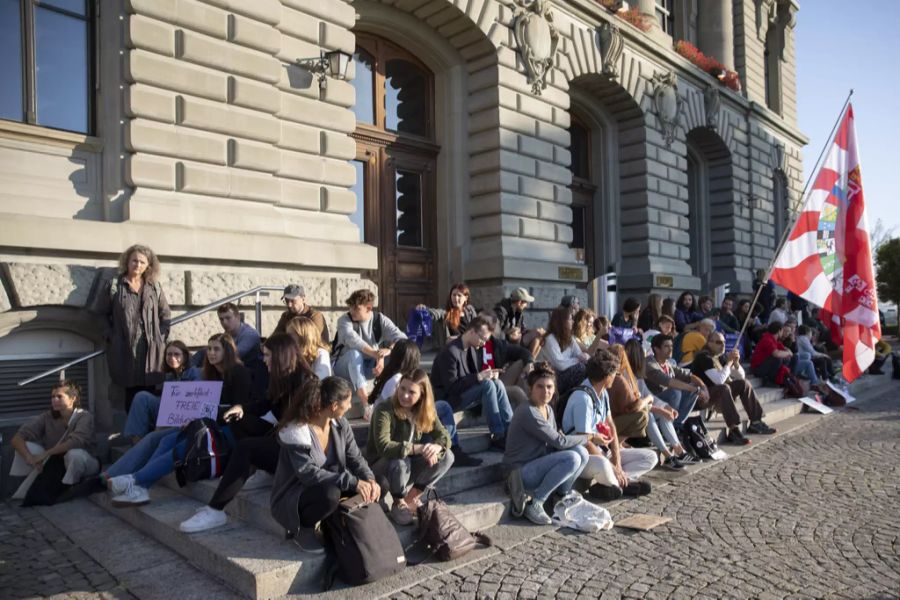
[184, 401]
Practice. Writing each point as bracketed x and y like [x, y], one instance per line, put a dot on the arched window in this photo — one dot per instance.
[698, 216]
[395, 171]
[583, 190]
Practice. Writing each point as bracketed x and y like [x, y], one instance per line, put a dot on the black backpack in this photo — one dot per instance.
[206, 455]
[563, 401]
[361, 543]
[695, 438]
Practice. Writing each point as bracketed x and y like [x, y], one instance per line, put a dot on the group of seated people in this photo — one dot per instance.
[284, 404]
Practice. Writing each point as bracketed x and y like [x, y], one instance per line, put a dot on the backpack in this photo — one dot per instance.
[792, 387]
[207, 452]
[361, 543]
[442, 533]
[560, 409]
[376, 333]
[695, 438]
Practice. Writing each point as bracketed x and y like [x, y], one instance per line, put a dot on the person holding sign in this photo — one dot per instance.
[256, 446]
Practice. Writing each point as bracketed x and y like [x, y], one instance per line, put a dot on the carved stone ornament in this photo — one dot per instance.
[667, 102]
[778, 157]
[713, 101]
[536, 39]
[611, 45]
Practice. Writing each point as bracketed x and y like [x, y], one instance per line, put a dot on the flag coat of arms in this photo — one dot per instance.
[827, 258]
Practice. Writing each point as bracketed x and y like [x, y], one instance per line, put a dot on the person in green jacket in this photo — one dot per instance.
[408, 446]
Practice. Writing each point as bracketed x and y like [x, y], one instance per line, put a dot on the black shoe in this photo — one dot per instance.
[640, 442]
[759, 427]
[83, 489]
[672, 464]
[736, 438]
[461, 459]
[605, 493]
[498, 442]
[689, 459]
[637, 488]
[645, 487]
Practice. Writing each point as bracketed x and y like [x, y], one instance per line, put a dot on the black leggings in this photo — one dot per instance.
[317, 502]
[259, 452]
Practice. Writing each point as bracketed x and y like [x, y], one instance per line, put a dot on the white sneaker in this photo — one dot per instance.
[205, 518]
[135, 495]
[119, 485]
[260, 479]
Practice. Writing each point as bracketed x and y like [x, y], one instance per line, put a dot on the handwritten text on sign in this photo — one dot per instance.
[184, 401]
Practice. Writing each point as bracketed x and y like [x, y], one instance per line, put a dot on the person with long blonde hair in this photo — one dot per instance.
[585, 333]
[403, 462]
[630, 410]
[313, 350]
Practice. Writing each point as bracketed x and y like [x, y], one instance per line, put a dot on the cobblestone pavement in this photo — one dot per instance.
[813, 514]
[38, 561]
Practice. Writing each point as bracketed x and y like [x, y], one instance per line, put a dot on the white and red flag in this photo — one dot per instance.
[827, 258]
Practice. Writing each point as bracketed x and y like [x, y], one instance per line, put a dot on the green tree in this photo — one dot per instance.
[887, 265]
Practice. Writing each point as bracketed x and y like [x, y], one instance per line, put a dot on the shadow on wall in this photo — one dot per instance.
[86, 182]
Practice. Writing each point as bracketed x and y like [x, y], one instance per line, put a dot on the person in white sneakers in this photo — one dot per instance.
[256, 444]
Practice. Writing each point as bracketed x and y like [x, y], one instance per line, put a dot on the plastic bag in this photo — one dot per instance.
[579, 514]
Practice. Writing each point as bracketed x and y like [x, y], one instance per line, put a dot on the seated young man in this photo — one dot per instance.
[695, 341]
[514, 361]
[458, 378]
[725, 379]
[364, 338]
[676, 386]
[727, 319]
[771, 359]
[511, 316]
[245, 337]
[294, 299]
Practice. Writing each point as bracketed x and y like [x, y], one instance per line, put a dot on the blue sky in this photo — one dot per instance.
[842, 45]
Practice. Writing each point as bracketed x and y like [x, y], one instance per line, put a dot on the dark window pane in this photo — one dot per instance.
[75, 6]
[406, 98]
[578, 232]
[580, 148]
[62, 70]
[11, 61]
[359, 189]
[409, 209]
[364, 82]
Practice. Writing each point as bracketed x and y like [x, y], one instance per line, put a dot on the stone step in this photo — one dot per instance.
[257, 563]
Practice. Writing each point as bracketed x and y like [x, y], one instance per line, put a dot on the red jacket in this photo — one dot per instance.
[764, 349]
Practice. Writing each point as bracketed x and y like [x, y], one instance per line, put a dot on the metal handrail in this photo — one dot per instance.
[259, 291]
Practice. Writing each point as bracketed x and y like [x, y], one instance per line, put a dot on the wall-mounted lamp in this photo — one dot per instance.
[335, 63]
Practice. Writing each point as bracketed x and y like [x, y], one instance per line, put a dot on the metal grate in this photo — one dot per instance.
[32, 399]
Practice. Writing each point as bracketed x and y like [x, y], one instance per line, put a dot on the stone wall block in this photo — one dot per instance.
[318, 114]
[51, 284]
[188, 13]
[338, 145]
[299, 137]
[145, 67]
[150, 34]
[300, 194]
[267, 11]
[299, 25]
[334, 37]
[341, 93]
[230, 58]
[142, 135]
[338, 200]
[150, 102]
[173, 281]
[253, 95]
[252, 155]
[195, 332]
[254, 34]
[230, 120]
[344, 286]
[209, 286]
[337, 11]
[150, 171]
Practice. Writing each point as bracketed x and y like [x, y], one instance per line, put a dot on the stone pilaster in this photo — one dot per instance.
[716, 30]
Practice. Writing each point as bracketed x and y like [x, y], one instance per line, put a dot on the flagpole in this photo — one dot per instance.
[795, 214]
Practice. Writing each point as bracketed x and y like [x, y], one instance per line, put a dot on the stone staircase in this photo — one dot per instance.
[251, 556]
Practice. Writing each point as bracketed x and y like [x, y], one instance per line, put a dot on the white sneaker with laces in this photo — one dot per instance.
[134, 495]
[260, 479]
[119, 485]
[205, 518]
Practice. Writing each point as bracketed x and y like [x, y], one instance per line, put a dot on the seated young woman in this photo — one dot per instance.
[319, 462]
[144, 409]
[63, 434]
[404, 358]
[562, 351]
[585, 333]
[129, 478]
[313, 350]
[408, 446]
[456, 314]
[256, 446]
[630, 409]
[542, 460]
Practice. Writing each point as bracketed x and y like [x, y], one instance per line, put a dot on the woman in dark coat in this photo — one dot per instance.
[138, 322]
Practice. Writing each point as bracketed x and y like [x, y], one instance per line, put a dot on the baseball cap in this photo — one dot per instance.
[292, 291]
[520, 294]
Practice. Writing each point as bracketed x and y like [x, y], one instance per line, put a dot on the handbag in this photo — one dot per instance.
[441, 533]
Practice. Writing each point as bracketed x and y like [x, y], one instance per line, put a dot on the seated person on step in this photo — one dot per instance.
[59, 441]
[611, 469]
[562, 351]
[725, 379]
[511, 317]
[513, 361]
[629, 315]
[313, 350]
[456, 314]
[694, 341]
[585, 333]
[630, 409]
[674, 385]
[144, 409]
[319, 462]
[459, 377]
[364, 338]
[294, 299]
[408, 446]
[542, 460]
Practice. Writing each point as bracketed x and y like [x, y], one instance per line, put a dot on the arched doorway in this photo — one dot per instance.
[395, 172]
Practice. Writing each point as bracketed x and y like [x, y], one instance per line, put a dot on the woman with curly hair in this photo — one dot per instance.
[137, 314]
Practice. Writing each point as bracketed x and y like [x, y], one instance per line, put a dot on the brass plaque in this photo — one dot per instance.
[571, 273]
[664, 281]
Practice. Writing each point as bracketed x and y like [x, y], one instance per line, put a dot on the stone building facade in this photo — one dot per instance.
[529, 143]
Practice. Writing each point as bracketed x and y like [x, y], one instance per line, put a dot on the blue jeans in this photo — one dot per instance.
[681, 400]
[555, 471]
[445, 416]
[662, 431]
[491, 395]
[802, 366]
[142, 415]
[151, 459]
[355, 367]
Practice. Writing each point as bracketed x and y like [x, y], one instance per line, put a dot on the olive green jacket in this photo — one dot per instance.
[390, 437]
